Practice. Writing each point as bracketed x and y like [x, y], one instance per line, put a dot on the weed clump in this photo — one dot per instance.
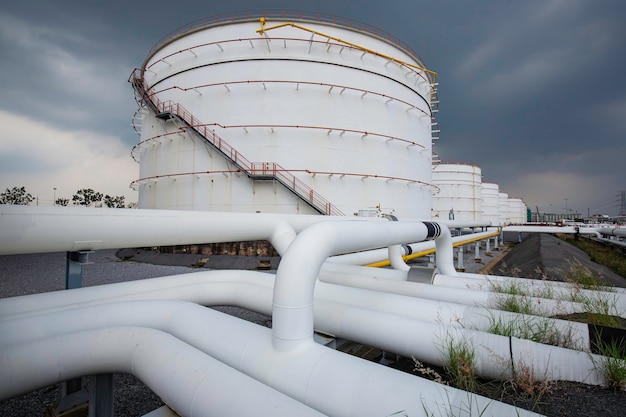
[612, 363]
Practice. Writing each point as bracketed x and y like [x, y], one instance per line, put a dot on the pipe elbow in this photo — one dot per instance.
[395, 257]
[445, 251]
[281, 237]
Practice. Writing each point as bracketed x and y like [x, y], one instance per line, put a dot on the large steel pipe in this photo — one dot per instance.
[36, 229]
[329, 381]
[560, 292]
[189, 381]
[370, 278]
[249, 289]
[382, 254]
[424, 340]
[621, 232]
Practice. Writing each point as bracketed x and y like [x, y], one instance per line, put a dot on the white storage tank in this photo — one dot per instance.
[503, 204]
[459, 192]
[516, 208]
[491, 202]
[295, 114]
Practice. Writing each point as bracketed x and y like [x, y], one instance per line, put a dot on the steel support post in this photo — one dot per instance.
[101, 396]
[459, 259]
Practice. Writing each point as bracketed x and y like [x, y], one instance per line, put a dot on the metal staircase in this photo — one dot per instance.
[170, 110]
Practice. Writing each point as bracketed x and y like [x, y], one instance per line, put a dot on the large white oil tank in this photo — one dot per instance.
[490, 202]
[503, 204]
[459, 192]
[294, 114]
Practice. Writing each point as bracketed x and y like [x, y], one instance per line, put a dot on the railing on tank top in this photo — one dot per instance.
[283, 14]
[255, 170]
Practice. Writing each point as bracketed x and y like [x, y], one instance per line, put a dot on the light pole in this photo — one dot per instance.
[54, 199]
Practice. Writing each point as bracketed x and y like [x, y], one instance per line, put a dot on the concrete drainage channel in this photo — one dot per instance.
[135, 327]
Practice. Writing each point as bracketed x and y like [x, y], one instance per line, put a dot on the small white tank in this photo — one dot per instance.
[459, 192]
[517, 210]
[503, 204]
[491, 203]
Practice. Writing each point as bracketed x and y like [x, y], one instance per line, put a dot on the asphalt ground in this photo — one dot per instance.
[544, 256]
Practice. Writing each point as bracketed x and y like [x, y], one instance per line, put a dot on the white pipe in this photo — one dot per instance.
[457, 224]
[36, 229]
[550, 229]
[442, 313]
[292, 311]
[251, 289]
[411, 338]
[361, 277]
[613, 231]
[395, 258]
[612, 242]
[561, 292]
[256, 296]
[495, 355]
[164, 411]
[332, 382]
[561, 289]
[189, 381]
[379, 255]
[292, 306]
[353, 300]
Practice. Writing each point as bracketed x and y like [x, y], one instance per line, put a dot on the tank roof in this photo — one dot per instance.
[283, 14]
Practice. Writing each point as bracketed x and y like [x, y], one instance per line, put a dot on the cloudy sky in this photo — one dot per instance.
[532, 91]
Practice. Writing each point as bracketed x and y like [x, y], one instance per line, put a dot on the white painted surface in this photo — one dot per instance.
[377, 150]
[459, 190]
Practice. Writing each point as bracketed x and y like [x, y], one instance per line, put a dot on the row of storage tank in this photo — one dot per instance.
[461, 195]
[298, 114]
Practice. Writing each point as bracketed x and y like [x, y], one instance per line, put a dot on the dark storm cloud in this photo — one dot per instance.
[531, 91]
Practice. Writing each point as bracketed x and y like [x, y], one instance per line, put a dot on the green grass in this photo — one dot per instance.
[534, 328]
[612, 364]
[513, 296]
[460, 365]
[600, 254]
[598, 298]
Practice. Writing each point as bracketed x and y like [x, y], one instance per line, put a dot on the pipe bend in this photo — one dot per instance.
[395, 257]
[445, 253]
[282, 236]
[292, 308]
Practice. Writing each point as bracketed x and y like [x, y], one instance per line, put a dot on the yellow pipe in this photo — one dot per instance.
[264, 29]
[430, 251]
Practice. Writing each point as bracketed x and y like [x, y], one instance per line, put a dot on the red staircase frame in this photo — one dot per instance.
[254, 170]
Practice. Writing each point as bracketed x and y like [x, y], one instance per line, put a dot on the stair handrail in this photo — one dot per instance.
[252, 169]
